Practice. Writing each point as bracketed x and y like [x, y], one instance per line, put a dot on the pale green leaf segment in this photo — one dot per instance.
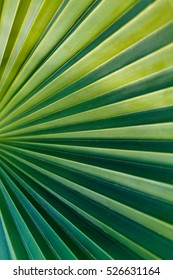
[86, 129]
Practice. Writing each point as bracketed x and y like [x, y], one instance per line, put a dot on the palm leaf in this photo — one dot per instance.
[86, 129]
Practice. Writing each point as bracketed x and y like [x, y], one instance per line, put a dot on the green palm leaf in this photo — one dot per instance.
[86, 129]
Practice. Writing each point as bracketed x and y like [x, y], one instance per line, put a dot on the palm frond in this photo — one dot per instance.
[86, 129]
